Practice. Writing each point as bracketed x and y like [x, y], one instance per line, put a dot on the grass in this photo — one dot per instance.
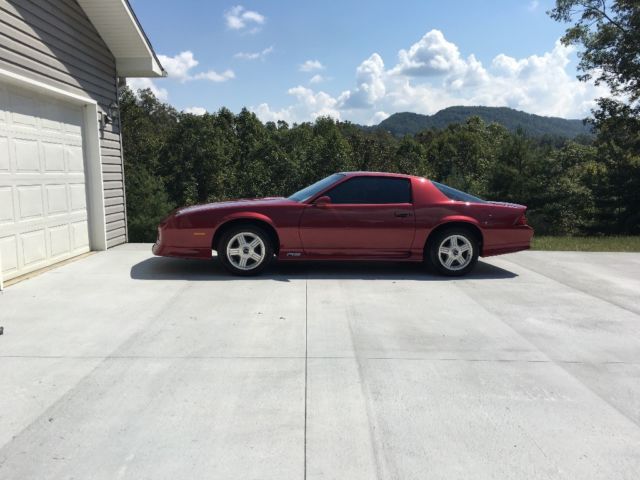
[588, 244]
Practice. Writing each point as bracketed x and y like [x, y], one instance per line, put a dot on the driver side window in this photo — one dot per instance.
[371, 190]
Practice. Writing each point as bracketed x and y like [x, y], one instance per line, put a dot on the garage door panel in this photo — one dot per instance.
[30, 201]
[5, 165]
[72, 121]
[59, 239]
[9, 254]
[75, 161]
[78, 197]
[57, 199]
[6, 205]
[3, 105]
[34, 247]
[43, 202]
[23, 110]
[51, 124]
[26, 155]
[53, 157]
[80, 235]
[52, 117]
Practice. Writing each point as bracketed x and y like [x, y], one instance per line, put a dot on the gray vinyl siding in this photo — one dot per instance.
[54, 42]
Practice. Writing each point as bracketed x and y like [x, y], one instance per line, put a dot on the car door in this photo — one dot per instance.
[367, 216]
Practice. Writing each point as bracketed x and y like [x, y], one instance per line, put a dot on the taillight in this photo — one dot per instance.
[522, 220]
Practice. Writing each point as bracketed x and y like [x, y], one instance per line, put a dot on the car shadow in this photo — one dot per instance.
[164, 268]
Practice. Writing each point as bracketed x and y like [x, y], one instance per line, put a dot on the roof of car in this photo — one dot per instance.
[377, 174]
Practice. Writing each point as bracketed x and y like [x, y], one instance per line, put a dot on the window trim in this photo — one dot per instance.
[347, 178]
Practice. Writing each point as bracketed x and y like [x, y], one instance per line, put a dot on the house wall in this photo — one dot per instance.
[54, 42]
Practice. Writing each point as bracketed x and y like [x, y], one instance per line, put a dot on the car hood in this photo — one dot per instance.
[232, 204]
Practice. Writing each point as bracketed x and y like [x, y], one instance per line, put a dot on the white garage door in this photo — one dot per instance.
[43, 207]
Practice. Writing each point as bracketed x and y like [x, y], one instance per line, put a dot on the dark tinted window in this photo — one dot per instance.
[372, 190]
[457, 195]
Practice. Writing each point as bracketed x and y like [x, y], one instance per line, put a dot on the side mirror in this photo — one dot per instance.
[322, 201]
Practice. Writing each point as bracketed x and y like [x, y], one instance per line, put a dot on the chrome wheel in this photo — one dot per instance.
[455, 252]
[246, 251]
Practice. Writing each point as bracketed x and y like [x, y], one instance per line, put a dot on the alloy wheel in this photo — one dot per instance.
[455, 252]
[246, 251]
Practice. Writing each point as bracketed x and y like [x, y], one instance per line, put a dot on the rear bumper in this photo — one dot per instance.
[500, 241]
[502, 250]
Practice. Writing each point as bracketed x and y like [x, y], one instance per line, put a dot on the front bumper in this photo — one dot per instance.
[173, 242]
[182, 252]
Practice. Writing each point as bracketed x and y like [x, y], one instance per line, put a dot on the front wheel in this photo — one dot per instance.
[453, 252]
[245, 250]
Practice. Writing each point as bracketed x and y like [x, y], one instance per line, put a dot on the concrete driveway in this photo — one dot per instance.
[122, 365]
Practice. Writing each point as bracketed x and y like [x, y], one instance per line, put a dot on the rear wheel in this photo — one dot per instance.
[453, 252]
[245, 250]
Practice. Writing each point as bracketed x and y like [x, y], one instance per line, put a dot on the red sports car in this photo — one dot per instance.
[350, 216]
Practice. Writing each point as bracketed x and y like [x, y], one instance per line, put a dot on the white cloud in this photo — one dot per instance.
[431, 55]
[254, 55]
[195, 110]
[214, 76]
[178, 66]
[136, 84]
[319, 104]
[317, 78]
[533, 5]
[239, 18]
[309, 106]
[266, 114]
[378, 117]
[311, 66]
[370, 77]
[432, 75]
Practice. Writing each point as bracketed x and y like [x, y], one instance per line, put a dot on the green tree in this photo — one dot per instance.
[617, 187]
[411, 158]
[147, 126]
[462, 154]
[609, 34]
[147, 204]
[329, 153]
[561, 195]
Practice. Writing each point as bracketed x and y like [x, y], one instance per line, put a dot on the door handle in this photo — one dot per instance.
[402, 214]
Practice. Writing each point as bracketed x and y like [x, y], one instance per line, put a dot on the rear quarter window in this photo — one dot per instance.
[457, 195]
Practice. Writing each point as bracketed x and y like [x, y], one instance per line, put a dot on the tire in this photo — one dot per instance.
[463, 249]
[245, 250]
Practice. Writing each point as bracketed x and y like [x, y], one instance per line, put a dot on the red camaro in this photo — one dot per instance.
[350, 216]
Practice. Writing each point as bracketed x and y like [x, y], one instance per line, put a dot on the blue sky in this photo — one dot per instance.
[361, 60]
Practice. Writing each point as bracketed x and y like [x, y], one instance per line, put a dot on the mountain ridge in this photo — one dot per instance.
[409, 123]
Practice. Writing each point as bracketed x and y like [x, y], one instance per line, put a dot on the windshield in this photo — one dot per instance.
[457, 195]
[311, 190]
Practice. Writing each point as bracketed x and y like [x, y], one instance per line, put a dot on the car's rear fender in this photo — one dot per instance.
[423, 235]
